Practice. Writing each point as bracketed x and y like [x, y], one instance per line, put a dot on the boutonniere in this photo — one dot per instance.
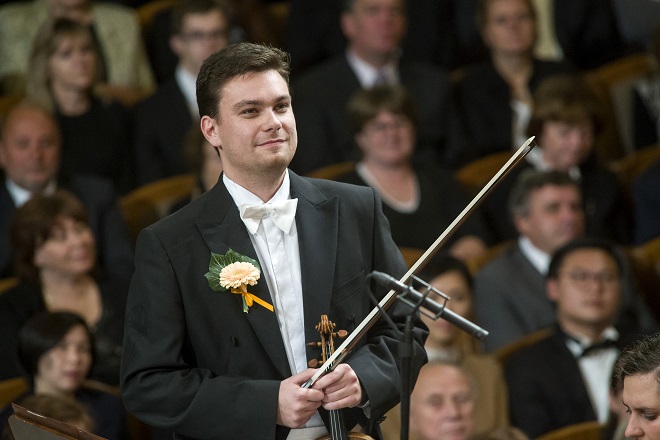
[234, 272]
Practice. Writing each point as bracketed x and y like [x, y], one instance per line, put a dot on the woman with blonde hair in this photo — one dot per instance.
[65, 65]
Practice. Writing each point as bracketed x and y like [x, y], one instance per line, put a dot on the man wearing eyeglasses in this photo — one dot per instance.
[565, 378]
[200, 28]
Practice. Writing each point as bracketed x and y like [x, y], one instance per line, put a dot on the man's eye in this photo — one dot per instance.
[249, 111]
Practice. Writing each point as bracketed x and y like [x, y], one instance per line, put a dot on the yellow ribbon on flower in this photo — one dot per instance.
[250, 298]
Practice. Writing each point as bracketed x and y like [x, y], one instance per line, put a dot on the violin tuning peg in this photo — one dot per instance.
[313, 363]
[342, 333]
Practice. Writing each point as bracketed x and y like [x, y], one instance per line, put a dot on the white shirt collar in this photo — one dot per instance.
[186, 82]
[21, 195]
[539, 259]
[241, 195]
[367, 74]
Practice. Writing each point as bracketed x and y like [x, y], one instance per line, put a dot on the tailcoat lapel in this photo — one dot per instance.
[222, 228]
[317, 221]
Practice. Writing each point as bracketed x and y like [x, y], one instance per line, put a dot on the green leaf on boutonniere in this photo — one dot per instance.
[219, 262]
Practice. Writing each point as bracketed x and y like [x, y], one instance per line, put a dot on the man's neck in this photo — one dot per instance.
[592, 332]
[262, 186]
[376, 60]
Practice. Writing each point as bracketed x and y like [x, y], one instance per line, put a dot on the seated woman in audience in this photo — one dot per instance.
[567, 118]
[494, 98]
[447, 343]
[55, 261]
[56, 349]
[64, 69]
[63, 409]
[419, 201]
[204, 161]
[637, 372]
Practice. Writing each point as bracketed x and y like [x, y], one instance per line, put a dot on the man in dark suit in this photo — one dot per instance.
[207, 363]
[565, 378]
[200, 28]
[30, 158]
[374, 29]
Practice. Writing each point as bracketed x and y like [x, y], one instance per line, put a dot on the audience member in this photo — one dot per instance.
[637, 371]
[494, 98]
[646, 98]
[646, 197]
[199, 28]
[64, 409]
[204, 160]
[57, 352]
[510, 298]
[442, 404]
[636, 20]
[95, 131]
[446, 343]
[565, 378]
[126, 73]
[565, 120]
[30, 158]
[374, 29]
[55, 256]
[383, 122]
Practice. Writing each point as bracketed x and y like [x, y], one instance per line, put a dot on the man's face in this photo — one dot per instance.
[587, 289]
[442, 404]
[555, 217]
[566, 145]
[375, 28]
[30, 149]
[255, 128]
[201, 35]
[641, 395]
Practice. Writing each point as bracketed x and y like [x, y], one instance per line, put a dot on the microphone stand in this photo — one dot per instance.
[405, 348]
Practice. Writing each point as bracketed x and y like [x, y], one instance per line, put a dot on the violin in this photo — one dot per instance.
[326, 329]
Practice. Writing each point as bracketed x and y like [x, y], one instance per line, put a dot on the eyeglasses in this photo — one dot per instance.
[197, 36]
[584, 279]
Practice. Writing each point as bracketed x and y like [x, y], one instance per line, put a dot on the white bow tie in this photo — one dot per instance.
[282, 213]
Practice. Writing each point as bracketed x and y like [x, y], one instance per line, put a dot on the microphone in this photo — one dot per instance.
[440, 311]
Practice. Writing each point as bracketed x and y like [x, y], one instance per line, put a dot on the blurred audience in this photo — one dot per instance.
[374, 29]
[494, 97]
[447, 343]
[204, 161]
[125, 74]
[95, 131]
[565, 121]
[64, 409]
[510, 297]
[30, 148]
[636, 370]
[565, 378]
[383, 122]
[199, 28]
[636, 20]
[55, 257]
[56, 351]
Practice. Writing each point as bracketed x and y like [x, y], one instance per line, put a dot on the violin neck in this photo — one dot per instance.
[337, 428]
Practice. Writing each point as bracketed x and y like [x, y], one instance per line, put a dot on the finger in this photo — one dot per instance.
[347, 402]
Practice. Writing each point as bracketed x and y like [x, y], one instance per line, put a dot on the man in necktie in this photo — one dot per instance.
[565, 378]
[227, 290]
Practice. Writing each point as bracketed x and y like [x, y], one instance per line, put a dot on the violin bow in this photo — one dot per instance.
[345, 348]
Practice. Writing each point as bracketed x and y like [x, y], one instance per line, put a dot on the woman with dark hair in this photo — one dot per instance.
[57, 352]
[637, 371]
[64, 71]
[55, 261]
[419, 201]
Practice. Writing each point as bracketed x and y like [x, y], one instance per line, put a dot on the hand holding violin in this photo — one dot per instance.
[341, 388]
[296, 405]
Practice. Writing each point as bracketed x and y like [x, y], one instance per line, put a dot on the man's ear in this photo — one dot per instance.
[210, 130]
[552, 289]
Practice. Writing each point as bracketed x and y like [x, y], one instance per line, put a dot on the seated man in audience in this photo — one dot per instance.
[375, 30]
[564, 378]
[510, 299]
[126, 72]
[442, 403]
[200, 28]
[29, 158]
